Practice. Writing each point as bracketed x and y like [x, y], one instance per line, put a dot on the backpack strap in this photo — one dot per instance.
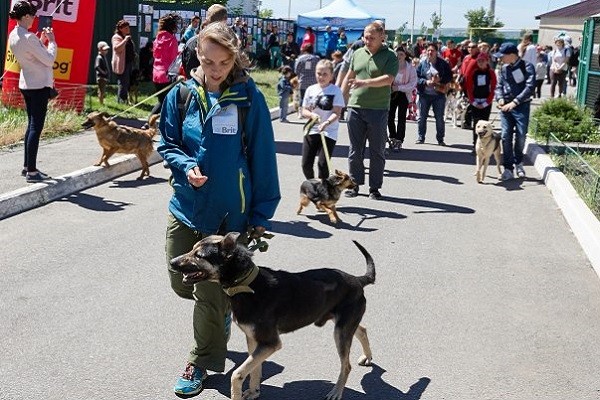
[242, 115]
[184, 100]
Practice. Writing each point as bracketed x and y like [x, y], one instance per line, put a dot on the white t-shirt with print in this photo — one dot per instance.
[323, 100]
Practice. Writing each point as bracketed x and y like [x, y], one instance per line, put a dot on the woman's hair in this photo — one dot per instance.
[122, 23]
[403, 50]
[325, 63]
[221, 34]
[169, 23]
[21, 9]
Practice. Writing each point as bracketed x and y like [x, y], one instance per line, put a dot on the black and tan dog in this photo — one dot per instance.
[115, 138]
[325, 193]
[488, 144]
[266, 303]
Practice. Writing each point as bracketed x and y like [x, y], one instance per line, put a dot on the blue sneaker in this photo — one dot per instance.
[228, 325]
[190, 382]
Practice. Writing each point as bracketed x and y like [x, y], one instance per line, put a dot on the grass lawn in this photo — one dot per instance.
[60, 123]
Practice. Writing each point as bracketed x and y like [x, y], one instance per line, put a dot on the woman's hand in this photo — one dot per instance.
[47, 35]
[195, 177]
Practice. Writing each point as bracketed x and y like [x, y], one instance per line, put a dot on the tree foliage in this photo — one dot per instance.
[265, 13]
[479, 22]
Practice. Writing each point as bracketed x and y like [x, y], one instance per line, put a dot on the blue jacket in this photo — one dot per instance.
[244, 188]
[440, 65]
[284, 87]
[509, 89]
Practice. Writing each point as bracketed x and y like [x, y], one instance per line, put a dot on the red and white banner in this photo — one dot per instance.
[73, 25]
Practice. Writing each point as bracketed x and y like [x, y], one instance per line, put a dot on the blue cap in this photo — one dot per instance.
[506, 48]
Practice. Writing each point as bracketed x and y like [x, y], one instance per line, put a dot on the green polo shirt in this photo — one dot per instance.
[367, 66]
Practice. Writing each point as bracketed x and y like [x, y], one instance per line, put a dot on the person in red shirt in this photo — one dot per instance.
[464, 66]
[309, 38]
[452, 55]
[480, 83]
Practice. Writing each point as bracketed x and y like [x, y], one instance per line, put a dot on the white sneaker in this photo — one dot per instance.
[520, 170]
[507, 175]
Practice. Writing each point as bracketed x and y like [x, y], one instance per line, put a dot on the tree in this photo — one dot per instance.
[265, 13]
[399, 32]
[436, 22]
[423, 29]
[482, 23]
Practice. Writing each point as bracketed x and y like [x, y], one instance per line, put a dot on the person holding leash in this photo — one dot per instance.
[513, 93]
[36, 80]
[221, 151]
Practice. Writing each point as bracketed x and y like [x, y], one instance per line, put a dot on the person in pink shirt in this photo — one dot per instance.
[165, 50]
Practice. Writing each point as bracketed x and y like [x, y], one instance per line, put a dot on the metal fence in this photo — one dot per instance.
[584, 178]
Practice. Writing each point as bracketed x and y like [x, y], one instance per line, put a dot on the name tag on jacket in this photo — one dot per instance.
[226, 121]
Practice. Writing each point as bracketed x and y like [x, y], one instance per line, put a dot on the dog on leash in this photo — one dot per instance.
[488, 144]
[266, 303]
[134, 86]
[296, 99]
[451, 103]
[325, 193]
[115, 138]
[460, 111]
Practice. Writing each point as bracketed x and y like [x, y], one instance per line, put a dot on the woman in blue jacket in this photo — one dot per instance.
[221, 151]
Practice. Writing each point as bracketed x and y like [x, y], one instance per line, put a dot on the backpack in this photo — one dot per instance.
[185, 98]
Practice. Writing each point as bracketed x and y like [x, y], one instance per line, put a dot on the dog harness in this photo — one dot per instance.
[241, 285]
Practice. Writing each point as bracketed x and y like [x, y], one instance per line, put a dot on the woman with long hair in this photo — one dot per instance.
[165, 50]
[123, 58]
[221, 152]
[36, 80]
[402, 87]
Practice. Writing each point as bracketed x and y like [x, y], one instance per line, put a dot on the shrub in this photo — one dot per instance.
[566, 120]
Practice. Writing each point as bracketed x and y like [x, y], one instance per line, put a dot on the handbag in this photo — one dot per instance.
[52, 93]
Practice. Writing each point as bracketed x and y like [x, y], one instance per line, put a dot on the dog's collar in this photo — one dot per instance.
[241, 285]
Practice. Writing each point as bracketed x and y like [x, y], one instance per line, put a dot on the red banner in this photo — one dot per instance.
[73, 25]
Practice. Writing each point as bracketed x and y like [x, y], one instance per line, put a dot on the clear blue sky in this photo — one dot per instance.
[518, 14]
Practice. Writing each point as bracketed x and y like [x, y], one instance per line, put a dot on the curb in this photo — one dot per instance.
[39, 194]
[583, 223]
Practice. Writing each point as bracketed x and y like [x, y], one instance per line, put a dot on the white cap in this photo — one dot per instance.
[103, 46]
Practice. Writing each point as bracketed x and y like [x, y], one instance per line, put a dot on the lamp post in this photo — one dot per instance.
[289, 8]
[412, 29]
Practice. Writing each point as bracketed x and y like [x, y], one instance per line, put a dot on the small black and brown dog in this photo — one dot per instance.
[325, 193]
[266, 303]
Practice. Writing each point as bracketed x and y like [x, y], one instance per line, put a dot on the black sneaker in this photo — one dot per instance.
[351, 192]
[419, 141]
[36, 177]
[442, 143]
[374, 194]
[24, 172]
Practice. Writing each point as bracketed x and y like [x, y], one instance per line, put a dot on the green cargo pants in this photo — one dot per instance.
[211, 303]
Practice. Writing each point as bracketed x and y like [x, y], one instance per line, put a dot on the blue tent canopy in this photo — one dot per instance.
[338, 14]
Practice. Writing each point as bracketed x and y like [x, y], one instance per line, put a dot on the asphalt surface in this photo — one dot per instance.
[483, 292]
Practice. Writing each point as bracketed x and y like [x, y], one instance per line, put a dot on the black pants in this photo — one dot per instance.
[36, 102]
[311, 147]
[480, 114]
[538, 88]
[398, 101]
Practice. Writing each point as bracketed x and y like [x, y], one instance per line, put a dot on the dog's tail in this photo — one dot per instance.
[369, 277]
[152, 125]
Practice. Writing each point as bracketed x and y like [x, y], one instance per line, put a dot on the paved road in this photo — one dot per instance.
[482, 291]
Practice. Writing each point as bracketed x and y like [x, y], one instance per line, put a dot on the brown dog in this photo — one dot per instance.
[488, 144]
[266, 303]
[296, 99]
[325, 193]
[115, 138]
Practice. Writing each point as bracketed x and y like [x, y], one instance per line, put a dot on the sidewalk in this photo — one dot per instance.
[70, 162]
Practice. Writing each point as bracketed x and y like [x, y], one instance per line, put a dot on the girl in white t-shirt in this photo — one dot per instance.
[322, 103]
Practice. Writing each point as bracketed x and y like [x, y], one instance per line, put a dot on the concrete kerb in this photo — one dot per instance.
[38, 194]
[583, 223]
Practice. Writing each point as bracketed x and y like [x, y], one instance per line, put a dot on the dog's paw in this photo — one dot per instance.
[335, 394]
[251, 394]
[365, 361]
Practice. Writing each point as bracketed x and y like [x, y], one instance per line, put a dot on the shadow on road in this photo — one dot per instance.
[150, 180]
[95, 203]
[374, 387]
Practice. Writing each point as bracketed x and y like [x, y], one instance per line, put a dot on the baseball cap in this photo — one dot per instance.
[482, 56]
[103, 46]
[506, 48]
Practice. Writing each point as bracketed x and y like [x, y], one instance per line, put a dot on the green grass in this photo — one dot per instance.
[61, 123]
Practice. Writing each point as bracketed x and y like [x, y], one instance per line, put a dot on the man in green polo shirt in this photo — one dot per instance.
[372, 71]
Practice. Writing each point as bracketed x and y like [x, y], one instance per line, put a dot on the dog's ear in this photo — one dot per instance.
[222, 231]
[105, 114]
[338, 172]
[229, 243]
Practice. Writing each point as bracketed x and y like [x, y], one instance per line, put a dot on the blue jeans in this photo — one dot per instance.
[514, 126]
[284, 101]
[36, 102]
[363, 125]
[426, 101]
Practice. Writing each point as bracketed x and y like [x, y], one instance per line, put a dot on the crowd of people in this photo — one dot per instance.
[217, 138]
